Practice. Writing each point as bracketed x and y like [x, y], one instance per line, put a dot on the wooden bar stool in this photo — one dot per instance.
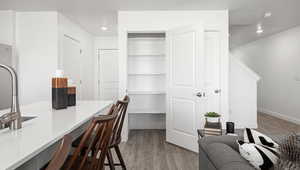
[116, 137]
[61, 154]
[115, 140]
[95, 140]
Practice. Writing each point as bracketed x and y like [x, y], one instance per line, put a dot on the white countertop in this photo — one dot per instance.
[17, 147]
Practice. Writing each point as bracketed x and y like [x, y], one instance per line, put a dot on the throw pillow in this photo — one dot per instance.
[253, 136]
[261, 157]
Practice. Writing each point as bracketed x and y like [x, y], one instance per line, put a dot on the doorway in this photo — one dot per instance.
[173, 78]
[108, 74]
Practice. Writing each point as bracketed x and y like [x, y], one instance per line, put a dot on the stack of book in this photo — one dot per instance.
[212, 129]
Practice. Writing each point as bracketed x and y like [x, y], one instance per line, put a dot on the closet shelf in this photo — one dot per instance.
[146, 55]
[143, 92]
[142, 111]
[146, 74]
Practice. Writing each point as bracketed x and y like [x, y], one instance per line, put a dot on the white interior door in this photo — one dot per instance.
[108, 77]
[71, 59]
[212, 72]
[185, 48]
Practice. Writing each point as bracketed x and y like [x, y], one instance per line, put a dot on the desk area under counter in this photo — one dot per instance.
[32, 146]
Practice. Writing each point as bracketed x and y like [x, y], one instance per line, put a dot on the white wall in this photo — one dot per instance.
[243, 95]
[37, 48]
[8, 32]
[5, 83]
[106, 42]
[7, 41]
[7, 27]
[163, 21]
[276, 59]
[86, 41]
[38, 38]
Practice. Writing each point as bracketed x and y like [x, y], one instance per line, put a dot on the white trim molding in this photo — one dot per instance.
[280, 115]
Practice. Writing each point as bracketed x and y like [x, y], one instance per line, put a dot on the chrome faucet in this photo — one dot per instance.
[12, 119]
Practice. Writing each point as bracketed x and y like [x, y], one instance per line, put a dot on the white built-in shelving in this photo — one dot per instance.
[142, 92]
[147, 111]
[147, 73]
[146, 55]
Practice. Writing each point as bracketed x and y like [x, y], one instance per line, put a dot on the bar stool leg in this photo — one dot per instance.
[110, 160]
[117, 149]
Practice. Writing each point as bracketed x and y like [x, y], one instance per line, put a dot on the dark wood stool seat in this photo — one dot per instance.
[116, 135]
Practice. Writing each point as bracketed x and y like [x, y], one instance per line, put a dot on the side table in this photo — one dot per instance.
[238, 132]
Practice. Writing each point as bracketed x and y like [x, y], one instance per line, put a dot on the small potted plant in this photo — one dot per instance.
[212, 117]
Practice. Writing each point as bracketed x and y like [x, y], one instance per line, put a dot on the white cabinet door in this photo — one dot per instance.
[108, 77]
[185, 52]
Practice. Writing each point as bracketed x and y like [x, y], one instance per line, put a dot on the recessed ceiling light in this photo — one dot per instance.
[268, 14]
[103, 28]
[259, 29]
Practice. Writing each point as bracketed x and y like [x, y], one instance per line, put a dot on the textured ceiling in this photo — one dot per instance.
[244, 15]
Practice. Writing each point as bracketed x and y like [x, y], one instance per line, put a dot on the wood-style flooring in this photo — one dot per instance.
[273, 126]
[147, 149]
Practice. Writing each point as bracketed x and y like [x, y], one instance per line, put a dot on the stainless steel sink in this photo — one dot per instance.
[26, 118]
[23, 119]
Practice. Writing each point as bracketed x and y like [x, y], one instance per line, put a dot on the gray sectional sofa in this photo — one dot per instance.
[222, 152]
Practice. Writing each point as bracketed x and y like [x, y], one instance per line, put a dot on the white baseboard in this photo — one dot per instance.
[280, 115]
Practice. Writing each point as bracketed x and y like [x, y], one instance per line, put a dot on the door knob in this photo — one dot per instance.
[199, 94]
[218, 91]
